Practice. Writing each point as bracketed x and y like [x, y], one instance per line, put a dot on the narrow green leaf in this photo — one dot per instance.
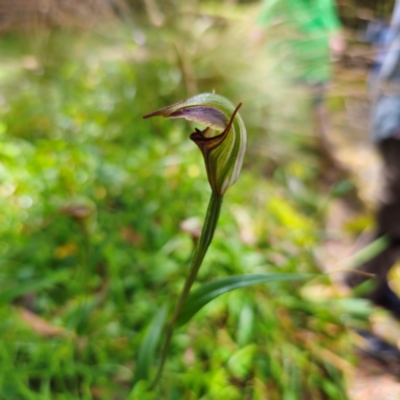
[365, 254]
[199, 298]
[148, 347]
[18, 289]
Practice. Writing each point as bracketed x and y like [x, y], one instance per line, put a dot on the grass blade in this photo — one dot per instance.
[202, 296]
[148, 347]
[8, 294]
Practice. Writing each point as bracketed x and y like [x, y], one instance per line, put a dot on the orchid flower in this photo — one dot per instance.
[222, 142]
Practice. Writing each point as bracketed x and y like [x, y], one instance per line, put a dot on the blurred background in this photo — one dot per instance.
[100, 208]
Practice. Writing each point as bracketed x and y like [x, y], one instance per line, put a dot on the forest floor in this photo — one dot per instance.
[351, 145]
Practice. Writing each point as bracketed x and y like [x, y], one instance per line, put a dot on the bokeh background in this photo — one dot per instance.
[99, 209]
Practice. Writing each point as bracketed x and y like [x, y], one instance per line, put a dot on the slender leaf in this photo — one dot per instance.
[10, 293]
[199, 298]
[365, 254]
[148, 347]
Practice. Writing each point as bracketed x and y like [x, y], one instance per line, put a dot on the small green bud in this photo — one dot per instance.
[223, 142]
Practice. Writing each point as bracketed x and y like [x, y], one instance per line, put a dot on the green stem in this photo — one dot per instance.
[207, 233]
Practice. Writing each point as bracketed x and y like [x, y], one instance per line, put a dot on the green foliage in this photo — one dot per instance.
[212, 290]
[149, 345]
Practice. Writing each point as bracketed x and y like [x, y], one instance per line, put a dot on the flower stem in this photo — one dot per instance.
[210, 223]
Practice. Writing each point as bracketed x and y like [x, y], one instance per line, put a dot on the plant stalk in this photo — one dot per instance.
[207, 233]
